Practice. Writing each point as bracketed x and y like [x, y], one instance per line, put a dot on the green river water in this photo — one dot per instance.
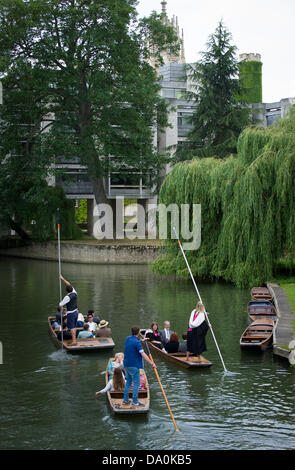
[47, 397]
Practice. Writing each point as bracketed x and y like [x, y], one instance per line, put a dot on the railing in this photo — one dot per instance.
[139, 190]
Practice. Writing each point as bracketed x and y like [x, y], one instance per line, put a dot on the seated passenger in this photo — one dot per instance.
[166, 332]
[65, 334]
[172, 345]
[96, 319]
[142, 380]
[183, 346]
[102, 331]
[116, 383]
[153, 335]
[80, 320]
[56, 325]
[118, 362]
[85, 333]
[91, 323]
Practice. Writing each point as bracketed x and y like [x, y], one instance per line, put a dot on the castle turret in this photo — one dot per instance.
[250, 72]
[167, 56]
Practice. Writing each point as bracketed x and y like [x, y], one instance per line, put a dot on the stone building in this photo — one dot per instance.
[174, 82]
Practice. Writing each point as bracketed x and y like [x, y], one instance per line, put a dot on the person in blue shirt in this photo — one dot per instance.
[85, 333]
[133, 362]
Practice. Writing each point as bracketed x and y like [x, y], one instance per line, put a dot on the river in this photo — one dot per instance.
[47, 397]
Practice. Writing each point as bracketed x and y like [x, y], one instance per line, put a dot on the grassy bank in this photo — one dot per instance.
[288, 284]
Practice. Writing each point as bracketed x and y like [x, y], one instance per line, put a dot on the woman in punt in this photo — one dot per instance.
[153, 335]
[196, 333]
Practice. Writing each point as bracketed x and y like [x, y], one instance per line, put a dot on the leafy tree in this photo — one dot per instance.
[218, 118]
[248, 208]
[77, 69]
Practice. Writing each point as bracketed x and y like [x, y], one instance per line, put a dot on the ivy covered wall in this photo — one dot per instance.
[250, 73]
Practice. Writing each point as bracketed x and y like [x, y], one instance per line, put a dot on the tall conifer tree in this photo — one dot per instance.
[219, 117]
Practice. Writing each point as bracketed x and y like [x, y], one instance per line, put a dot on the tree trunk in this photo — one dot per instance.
[99, 190]
[18, 229]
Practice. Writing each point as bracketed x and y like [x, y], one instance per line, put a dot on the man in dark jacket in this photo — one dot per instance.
[165, 333]
[71, 303]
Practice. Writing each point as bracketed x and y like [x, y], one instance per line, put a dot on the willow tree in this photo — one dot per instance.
[78, 69]
[218, 117]
[248, 207]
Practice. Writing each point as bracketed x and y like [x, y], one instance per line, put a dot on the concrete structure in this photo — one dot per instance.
[86, 253]
[284, 336]
[268, 113]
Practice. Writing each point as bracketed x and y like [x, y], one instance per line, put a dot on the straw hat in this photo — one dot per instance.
[103, 324]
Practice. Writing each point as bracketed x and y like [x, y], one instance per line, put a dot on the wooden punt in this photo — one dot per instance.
[258, 293]
[85, 344]
[258, 335]
[178, 358]
[261, 309]
[115, 399]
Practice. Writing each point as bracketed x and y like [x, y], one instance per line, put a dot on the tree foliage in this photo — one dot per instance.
[248, 207]
[218, 118]
[78, 70]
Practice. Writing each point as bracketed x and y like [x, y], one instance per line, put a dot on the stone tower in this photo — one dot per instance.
[250, 72]
[167, 56]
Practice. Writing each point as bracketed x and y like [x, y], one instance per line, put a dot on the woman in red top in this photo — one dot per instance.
[153, 335]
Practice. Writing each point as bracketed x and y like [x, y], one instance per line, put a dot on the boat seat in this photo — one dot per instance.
[261, 328]
[253, 337]
[141, 394]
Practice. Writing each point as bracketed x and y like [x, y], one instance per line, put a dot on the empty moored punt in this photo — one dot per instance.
[261, 309]
[85, 344]
[115, 399]
[178, 358]
[258, 293]
[258, 335]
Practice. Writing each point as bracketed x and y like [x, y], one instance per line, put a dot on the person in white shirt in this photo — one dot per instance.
[116, 383]
[92, 324]
[71, 303]
[196, 333]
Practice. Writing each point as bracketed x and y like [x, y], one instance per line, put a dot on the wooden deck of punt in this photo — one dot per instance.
[115, 399]
[258, 293]
[179, 358]
[85, 344]
[261, 310]
[258, 335]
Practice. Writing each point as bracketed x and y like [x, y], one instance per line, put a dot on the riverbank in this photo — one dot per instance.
[89, 251]
[284, 334]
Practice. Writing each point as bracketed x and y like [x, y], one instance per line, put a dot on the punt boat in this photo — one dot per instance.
[83, 344]
[258, 293]
[261, 309]
[258, 335]
[115, 399]
[178, 358]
